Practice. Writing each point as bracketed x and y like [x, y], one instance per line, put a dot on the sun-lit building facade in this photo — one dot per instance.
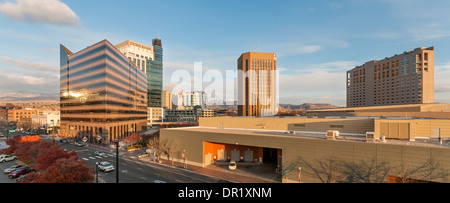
[103, 94]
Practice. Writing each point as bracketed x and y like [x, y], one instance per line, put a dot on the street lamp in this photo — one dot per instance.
[96, 172]
[117, 160]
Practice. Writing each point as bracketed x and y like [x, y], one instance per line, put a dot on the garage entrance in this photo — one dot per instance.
[255, 160]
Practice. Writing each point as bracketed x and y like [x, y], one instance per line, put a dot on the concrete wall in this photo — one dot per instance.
[313, 151]
[347, 125]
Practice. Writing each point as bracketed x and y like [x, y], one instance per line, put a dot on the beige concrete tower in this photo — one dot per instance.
[257, 84]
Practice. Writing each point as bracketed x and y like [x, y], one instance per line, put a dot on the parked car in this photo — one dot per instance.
[232, 165]
[22, 178]
[143, 155]
[13, 168]
[5, 158]
[105, 166]
[158, 181]
[63, 140]
[100, 153]
[17, 173]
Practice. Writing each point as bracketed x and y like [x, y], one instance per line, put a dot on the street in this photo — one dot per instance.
[134, 170]
[131, 169]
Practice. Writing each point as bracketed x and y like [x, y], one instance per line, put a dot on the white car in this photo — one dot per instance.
[5, 158]
[232, 165]
[13, 168]
[99, 153]
[105, 166]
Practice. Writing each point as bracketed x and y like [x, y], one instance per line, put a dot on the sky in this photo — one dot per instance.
[316, 42]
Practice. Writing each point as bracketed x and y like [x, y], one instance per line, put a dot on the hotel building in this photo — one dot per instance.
[257, 80]
[103, 94]
[407, 78]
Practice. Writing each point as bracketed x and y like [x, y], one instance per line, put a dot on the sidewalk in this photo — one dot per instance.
[220, 173]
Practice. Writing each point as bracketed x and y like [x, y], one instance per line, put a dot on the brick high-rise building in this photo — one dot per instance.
[407, 78]
[257, 84]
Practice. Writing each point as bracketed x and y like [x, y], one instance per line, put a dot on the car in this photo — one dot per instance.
[79, 144]
[17, 173]
[143, 155]
[63, 140]
[5, 158]
[100, 153]
[158, 181]
[13, 168]
[23, 178]
[105, 166]
[232, 165]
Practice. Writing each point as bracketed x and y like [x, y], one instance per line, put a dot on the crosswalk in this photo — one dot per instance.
[98, 157]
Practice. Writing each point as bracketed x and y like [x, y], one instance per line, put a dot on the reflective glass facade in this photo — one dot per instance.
[154, 76]
[102, 92]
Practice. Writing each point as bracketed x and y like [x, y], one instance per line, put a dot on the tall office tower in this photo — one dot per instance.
[407, 78]
[103, 94]
[257, 84]
[150, 60]
[137, 52]
[167, 99]
[154, 74]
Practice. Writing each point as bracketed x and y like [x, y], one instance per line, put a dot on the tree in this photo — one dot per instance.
[54, 164]
[170, 147]
[156, 146]
[64, 170]
[46, 160]
[334, 170]
[133, 138]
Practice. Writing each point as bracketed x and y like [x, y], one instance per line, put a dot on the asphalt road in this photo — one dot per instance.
[134, 170]
[131, 169]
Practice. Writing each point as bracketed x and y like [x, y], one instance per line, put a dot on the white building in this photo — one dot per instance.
[188, 100]
[47, 121]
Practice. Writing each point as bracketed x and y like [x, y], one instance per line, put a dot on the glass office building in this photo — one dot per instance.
[154, 75]
[103, 94]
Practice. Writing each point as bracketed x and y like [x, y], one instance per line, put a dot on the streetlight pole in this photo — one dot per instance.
[96, 172]
[117, 160]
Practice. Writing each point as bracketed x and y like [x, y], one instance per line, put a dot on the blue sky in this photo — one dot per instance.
[316, 41]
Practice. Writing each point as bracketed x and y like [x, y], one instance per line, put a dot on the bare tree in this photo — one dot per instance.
[171, 147]
[424, 172]
[334, 170]
[156, 146]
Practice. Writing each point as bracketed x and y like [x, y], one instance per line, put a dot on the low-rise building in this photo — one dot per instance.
[289, 146]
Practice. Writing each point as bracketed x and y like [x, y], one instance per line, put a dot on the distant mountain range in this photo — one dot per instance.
[305, 106]
[11, 97]
[308, 106]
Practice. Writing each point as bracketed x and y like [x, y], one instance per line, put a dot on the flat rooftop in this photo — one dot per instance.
[344, 137]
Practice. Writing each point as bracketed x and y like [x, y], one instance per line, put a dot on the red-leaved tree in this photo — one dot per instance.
[64, 170]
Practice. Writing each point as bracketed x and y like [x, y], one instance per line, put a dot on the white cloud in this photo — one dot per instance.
[45, 11]
[39, 66]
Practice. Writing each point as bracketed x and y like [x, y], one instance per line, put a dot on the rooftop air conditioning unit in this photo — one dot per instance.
[332, 134]
[370, 137]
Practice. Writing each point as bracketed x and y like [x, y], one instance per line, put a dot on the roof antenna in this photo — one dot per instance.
[158, 35]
